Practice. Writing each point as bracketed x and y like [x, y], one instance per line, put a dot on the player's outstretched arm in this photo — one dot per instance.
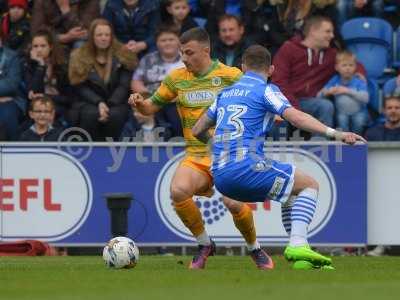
[308, 123]
[200, 129]
[144, 106]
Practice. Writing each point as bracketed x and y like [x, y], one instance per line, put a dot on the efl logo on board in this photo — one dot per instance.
[45, 194]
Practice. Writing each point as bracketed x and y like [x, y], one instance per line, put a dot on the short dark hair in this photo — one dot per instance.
[390, 97]
[195, 34]
[256, 57]
[314, 21]
[166, 28]
[46, 100]
[227, 17]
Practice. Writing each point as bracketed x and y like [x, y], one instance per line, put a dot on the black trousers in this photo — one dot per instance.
[88, 120]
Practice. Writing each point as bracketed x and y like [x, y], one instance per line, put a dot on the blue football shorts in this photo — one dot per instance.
[255, 181]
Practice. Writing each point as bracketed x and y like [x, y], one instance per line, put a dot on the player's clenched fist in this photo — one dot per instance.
[135, 99]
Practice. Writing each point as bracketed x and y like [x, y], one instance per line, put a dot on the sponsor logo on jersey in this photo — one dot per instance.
[216, 81]
[200, 97]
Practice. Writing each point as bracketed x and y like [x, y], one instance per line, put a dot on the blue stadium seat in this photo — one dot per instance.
[389, 87]
[371, 40]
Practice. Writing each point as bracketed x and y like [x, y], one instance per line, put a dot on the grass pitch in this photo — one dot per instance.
[226, 277]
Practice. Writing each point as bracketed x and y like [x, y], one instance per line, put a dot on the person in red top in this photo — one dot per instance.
[304, 65]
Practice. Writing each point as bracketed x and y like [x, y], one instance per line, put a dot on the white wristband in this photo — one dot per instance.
[330, 132]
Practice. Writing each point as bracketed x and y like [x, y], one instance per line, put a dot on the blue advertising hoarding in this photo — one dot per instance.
[56, 194]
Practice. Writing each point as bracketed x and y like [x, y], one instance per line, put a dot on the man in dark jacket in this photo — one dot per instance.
[231, 43]
[134, 23]
[42, 113]
[390, 130]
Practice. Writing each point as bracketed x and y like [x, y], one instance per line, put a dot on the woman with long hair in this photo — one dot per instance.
[100, 72]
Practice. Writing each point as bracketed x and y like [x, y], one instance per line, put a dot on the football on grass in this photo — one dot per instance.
[121, 252]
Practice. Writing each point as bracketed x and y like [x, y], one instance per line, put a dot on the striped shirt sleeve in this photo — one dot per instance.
[165, 93]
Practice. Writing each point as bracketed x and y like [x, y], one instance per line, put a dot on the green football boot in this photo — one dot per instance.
[307, 254]
[306, 265]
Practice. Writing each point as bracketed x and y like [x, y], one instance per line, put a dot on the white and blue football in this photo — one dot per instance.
[121, 252]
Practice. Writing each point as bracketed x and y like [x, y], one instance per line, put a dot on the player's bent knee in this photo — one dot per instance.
[312, 183]
[179, 193]
[302, 182]
[232, 205]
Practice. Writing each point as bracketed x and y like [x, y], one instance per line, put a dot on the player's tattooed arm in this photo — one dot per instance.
[200, 129]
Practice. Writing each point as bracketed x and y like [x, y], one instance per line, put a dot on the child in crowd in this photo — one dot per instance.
[42, 112]
[176, 12]
[350, 93]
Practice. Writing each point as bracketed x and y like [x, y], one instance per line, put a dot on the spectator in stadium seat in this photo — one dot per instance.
[231, 42]
[101, 71]
[134, 22]
[348, 9]
[304, 64]
[152, 70]
[350, 93]
[46, 73]
[177, 13]
[42, 112]
[16, 25]
[12, 102]
[69, 19]
[390, 130]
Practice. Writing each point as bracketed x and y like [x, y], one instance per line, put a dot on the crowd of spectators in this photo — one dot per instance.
[73, 63]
